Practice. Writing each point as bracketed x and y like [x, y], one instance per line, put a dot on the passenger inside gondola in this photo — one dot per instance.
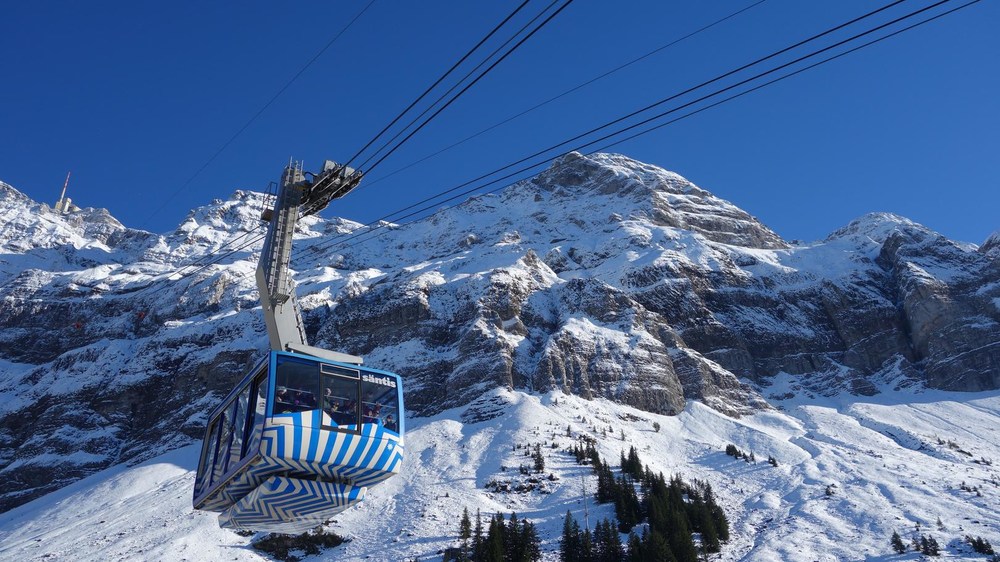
[331, 404]
[380, 405]
[296, 386]
[344, 413]
[304, 399]
[284, 401]
[369, 413]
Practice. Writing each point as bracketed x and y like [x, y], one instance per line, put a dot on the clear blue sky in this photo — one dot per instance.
[134, 97]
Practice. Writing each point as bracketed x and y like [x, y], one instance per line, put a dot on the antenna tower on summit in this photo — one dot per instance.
[65, 204]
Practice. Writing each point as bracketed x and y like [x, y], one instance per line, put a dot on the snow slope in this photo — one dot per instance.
[894, 462]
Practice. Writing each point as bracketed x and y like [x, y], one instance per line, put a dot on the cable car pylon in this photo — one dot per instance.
[308, 430]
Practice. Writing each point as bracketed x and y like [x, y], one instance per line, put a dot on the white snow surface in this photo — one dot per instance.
[895, 462]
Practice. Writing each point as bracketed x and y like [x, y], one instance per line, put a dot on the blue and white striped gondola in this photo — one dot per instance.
[300, 440]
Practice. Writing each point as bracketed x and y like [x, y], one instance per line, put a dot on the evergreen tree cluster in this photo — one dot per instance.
[620, 491]
[929, 546]
[603, 545]
[537, 458]
[510, 540]
[979, 544]
[674, 511]
[631, 465]
[586, 453]
[734, 452]
[923, 544]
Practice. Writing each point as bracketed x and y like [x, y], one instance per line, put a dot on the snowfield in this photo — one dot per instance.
[899, 461]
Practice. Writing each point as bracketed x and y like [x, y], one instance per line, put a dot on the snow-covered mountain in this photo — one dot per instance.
[603, 277]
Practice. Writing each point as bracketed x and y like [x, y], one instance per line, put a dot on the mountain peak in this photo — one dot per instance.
[617, 173]
[646, 191]
[240, 212]
[876, 226]
[9, 193]
[991, 244]
[26, 224]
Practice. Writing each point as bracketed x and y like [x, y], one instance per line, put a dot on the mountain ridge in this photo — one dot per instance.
[602, 277]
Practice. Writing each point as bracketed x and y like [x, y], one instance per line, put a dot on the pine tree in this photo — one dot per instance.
[897, 543]
[617, 550]
[985, 547]
[493, 550]
[933, 548]
[465, 526]
[539, 459]
[708, 495]
[605, 483]
[633, 466]
[478, 541]
[679, 538]
[657, 548]
[531, 545]
[720, 521]
[465, 533]
[569, 546]
[512, 539]
[586, 546]
[635, 551]
[607, 543]
[709, 536]
[595, 457]
[626, 505]
[600, 542]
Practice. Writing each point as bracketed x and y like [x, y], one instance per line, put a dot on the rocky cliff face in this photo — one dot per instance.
[601, 276]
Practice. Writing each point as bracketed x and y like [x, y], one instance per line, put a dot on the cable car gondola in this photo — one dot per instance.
[298, 441]
[306, 432]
